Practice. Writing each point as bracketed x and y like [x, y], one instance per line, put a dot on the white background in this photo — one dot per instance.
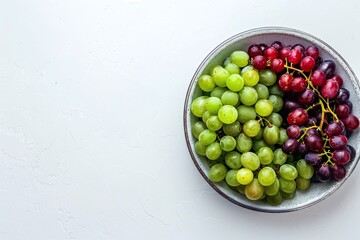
[91, 134]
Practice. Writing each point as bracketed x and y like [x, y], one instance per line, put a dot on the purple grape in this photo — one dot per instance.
[314, 143]
[338, 172]
[293, 131]
[352, 151]
[328, 67]
[334, 128]
[338, 142]
[307, 97]
[318, 61]
[324, 173]
[350, 105]
[277, 45]
[302, 148]
[263, 46]
[290, 146]
[313, 158]
[343, 96]
[290, 105]
[312, 131]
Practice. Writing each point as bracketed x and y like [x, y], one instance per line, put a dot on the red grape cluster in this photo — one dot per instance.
[317, 106]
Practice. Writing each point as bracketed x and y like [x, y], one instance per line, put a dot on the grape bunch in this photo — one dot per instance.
[272, 120]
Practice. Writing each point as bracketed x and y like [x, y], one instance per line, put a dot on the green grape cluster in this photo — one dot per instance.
[239, 132]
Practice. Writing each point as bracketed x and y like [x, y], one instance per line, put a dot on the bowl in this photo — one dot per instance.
[317, 191]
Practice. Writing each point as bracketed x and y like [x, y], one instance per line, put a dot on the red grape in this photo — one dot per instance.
[259, 62]
[338, 142]
[314, 143]
[277, 65]
[324, 173]
[284, 82]
[318, 78]
[351, 122]
[307, 97]
[297, 116]
[254, 50]
[342, 111]
[290, 146]
[294, 56]
[293, 131]
[338, 172]
[298, 84]
[334, 128]
[330, 89]
[284, 53]
[307, 64]
[270, 53]
[312, 51]
[338, 79]
[340, 157]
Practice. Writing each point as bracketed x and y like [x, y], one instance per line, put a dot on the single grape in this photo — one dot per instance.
[244, 176]
[279, 156]
[227, 114]
[259, 62]
[282, 136]
[338, 172]
[270, 53]
[232, 68]
[314, 143]
[343, 95]
[334, 128]
[293, 131]
[250, 160]
[207, 137]
[277, 65]
[287, 186]
[262, 91]
[263, 107]
[328, 67]
[213, 104]
[243, 143]
[232, 160]
[267, 77]
[251, 77]
[290, 146]
[231, 178]
[227, 143]
[307, 63]
[217, 173]
[342, 111]
[213, 151]
[285, 82]
[254, 190]
[247, 68]
[235, 82]
[330, 89]
[259, 135]
[200, 149]
[312, 51]
[324, 173]
[213, 123]
[307, 97]
[284, 53]
[297, 116]
[266, 176]
[257, 144]
[304, 169]
[313, 158]
[277, 45]
[197, 128]
[254, 50]
[352, 151]
[206, 116]
[271, 134]
[301, 48]
[275, 119]
[232, 129]
[246, 113]
[274, 200]
[318, 78]
[338, 142]
[266, 155]
[273, 189]
[206, 83]
[217, 92]
[288, 172]
[351, 122]
[298, 84]
[198, 106]
[275, 90]
[289, 195]
[340, 157]
[302, 150]
[240, 58]
[302, 183]
[290, 105]
[338, 79]
[248, 96]
[251, 128]
[230, 98]
[294, 56]
[277, 102]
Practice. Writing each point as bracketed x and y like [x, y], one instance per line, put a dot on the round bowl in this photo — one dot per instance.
[317, 191]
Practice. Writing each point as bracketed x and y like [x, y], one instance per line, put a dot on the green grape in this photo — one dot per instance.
[213, 68]
[213, 104]
[274, 200]
[248, 96]
[267, 77]
[206, 83]
[257, 144]
[273, 189]
[241, 188]
[290, 159]
[251, 128]
[232, 129]
[282, 136]
[220, 75]
[197, 128]
[231, 179]
[217, 173]
[266, 176]
[259, 135]
[206, 116]
[213, 151]
[279, 156]
[247, 68]
[200, 149]
[266, 155]
[250, 160]
[288, 195]
[198, 106]
[213, 123]
[226, 61]
[243, 143]
[217, 92]
[275, 119]
[302, 183]
[228, 114]
[207, 137]
[251, 77]
[244, 176]
[305, 170]
[263, 107]
[246, 113]
[275, 90]
[232, 68]
[262, 91]
[232, 160]
[271, 134]
[230, 98]
[288, 172]
[277, 102]
[227, 143]
[235, 82]
[254, 190]
[287, 186]
[240, 58]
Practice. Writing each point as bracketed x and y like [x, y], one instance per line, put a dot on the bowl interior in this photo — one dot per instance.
[317, 191]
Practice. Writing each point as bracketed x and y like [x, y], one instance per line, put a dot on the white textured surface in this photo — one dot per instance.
[91, 135]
